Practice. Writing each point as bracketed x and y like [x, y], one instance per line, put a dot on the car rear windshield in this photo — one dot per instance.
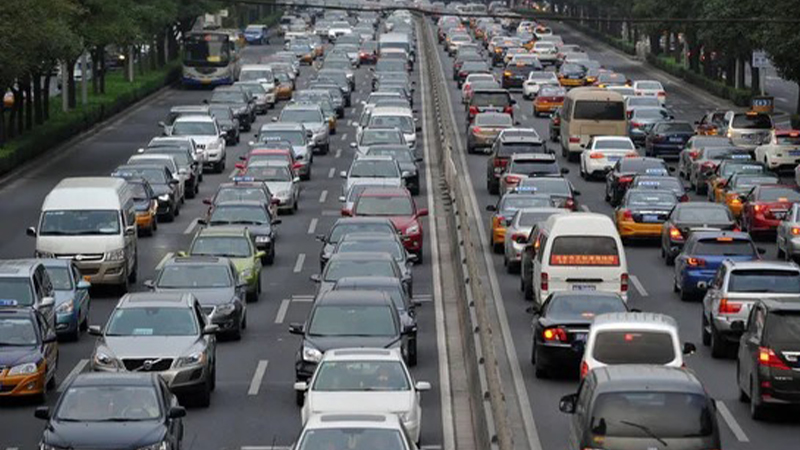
[534, 167]
[352, 320]
[643, 166]
[756, 121]
[654, 198]
[614, 144]
[676, 127]
[491, 99]
[341, 268]
[509, 148]
[722, 246]
[321, 438]
[584, 251]
[779, 194]
[384, 206]
[493, 120]
[598, 110]
[764, 280]
[580, 307]
[704, 214]
[788, 140]
[366, 227]
[361, 375]
[784, 327]
[545, 185]
[634, 347]
[651, 415]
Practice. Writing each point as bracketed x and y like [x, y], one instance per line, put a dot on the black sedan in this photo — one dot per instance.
[253, 215]
[619, 178]
[667, 138]
[687, 216]
[162, 183]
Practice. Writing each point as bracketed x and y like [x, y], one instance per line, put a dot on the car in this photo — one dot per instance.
[637, 101]
[490, 100]
[360, 264]
[509, 142]
[239, 100]
[188, 167]
[739, 185]
[641, 119]
[467, 68]
[529, 165]
[297, 135]
[178, 142]
[405, 159]
[72, 299]
[536, 80]
[766, 205]
[662, 183]
[162, 183]
[686, 217]
[695, 149]
[601, 153]
[734, 290]
[378, 136]
[788, 235]
[503, 212]
[26, 283]
[401, 118]
[639, 403]
[711, 123]
[612, 79]
[548, 99]
[250, 214]
[397, 205]
[667, 138]
[466, 87]
[782, 152]
[214, 282]
[346, 225]
[279, 179]
[379, 243]
[624, 338]
[766, 360]
[561, 326]
[237, 244]
[146, 203]
[345, 319]
[240, 190]
[650, 88]
[642, 212]
[29, 352]
[384, 170]
[571, 75]
[517, 71]
[376, 380]
[560, 190]
[256, 34]
[259, 94]
[717, 176]
[313, 120]
[621, 175]
[178, 111]
[485, 128]
[166, 333]
[171, 164]
[701, 256]
[275, 151]
[208, 137]
[748, 129]
[518, 231]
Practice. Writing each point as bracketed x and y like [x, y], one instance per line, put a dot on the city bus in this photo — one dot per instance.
[210, 58]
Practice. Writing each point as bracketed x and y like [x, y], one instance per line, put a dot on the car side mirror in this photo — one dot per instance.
[343, 174]
[576, 192]
[42, 412]
[207, 201]
[689, 348]
[31, 231]
[564, 171]
[276, 222]
[48, 302]
[83, 284]
[176, 412]
[95, 330]
[173, 182]
[210, 329]
[296, 328]
[243, 158]
[671, 169]
[301, 386]
[353, 145]
[513, 102]
[149, 284]
[130, 230]
[422, 386]
[491, 208]
[316, 278]
[567, 403]
[738, 326]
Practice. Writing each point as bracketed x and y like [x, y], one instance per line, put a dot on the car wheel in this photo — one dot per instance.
[706, 336]
[497, 247]
[236, 335]
[299, 398]
[528, 291]
[412, 352]
[719, 347]
[203, 396]
[781, 253]
[270, 258]
[533, 353]
[743, 395]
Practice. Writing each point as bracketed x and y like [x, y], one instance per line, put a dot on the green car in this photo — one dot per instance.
[238, 245]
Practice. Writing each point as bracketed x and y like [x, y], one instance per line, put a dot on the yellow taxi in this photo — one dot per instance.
[572, 75]
[740, 184]
[146, 217]
[549, 99]
[642, 212]
[503, 213]
[284, 90]
[29, 361]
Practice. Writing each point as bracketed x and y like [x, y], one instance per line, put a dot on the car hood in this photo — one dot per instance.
[325, 343]
[408, 167]
[208, 296]
[300, 150]
[203, 139]
[149, 346]
[12, 355]
[255, 230]
[104, 435]
[362, 402]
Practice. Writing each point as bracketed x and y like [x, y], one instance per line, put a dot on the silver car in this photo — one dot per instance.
[166, 333]
[735, 288]
[788, 235]
[382, 170]
[519, 229]
[294, 133]
[314, 121]
[280, 180]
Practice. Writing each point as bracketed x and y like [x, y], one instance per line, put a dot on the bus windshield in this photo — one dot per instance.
[207, 49]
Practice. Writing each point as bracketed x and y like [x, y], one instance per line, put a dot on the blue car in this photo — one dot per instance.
[256, 34]
[703, 253]
[667, 138]
[72, 298]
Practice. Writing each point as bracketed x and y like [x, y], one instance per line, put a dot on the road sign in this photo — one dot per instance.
[763, 104]
[760, 59]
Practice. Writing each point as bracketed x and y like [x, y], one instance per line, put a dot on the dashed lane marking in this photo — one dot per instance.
[190, 228]
[585, 208]
[298, 266]
[72, 374]
[312, 227]
[731, 422]
[282, 310]
[164, 260]
[323, 196]
[423, 298]
[338, 153]
[344, 136]
[258, 376]
[638, 285]
[332, 172]
[303, 298]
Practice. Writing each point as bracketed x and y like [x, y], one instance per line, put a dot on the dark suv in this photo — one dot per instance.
[769, 356]
[508, 143]
[490, 100]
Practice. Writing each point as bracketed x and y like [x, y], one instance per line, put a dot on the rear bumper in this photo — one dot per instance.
[639, 230]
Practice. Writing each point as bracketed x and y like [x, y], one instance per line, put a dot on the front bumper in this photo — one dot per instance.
[179, 380]
[22, 385]
[413, 242]
[102, 272]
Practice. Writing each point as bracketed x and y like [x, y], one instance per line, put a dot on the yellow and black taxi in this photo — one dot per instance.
[711, 123]
[717, 180]
[550, 98]
[503, 213]
[642, 212]
[146, 202]
[28, 353]
[572, 75]
[740, 184]
[516, 72]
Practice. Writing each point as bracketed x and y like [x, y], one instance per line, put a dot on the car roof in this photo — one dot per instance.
[353, 420]
[645, 377]
[361, 354]
[761, 264]
[114, 379]
[391, 111]
[627, 319]
[350, 297]
[151, 299]
[18, 267]
[196, 260]
[195, 118]
[358, 282]
[782, 304]
[248, 203]
[237, 231]
[385, 192]
[362, 256]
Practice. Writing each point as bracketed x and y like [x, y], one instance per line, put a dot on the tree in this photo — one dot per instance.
[782, 41]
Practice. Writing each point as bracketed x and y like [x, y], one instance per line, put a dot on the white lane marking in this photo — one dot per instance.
[524, 117]
[192, 225]
[233, 173]
[585, 208]
[331, 212]
[282, 310]
[298, 266]
[423, 298]
[164, 260]
[323, 196]
[523, 400]
[332, 172]
[303, 298]
[638, 285]
[344, 136]
[782, 99]
[255, 383]
[312, 227]
[338, 153]
[731, 422]
[72, 374]
[445, 395]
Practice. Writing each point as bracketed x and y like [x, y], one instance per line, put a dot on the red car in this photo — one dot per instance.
[397, 205]
[268, 154]
[766, 205]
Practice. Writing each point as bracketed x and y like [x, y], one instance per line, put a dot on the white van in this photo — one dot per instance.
[264, 75]
[589, 112]
[91, 220]
[579, 252]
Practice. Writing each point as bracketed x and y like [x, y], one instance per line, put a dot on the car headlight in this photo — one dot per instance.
[157, 446]
[105, 360]
[263, 239]
[413, 229]
[224, 310]
[247, 273]
[23, 369]
[164, 197]
[311, 354]
[192, 360]
[66, 308]
[115, 255]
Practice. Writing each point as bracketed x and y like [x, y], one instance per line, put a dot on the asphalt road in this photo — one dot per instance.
[650, 279]
[247, 411]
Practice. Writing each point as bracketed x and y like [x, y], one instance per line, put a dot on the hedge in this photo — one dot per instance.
[63, 126]
[740, 97]
[615, 42]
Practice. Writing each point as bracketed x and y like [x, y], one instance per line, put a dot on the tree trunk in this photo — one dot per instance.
[46, 98]
[28, 97]
[655, 44]
[19, 109]
[740, 79]
[730, 72]
[2, 123]
[95, 61]
[708, 66]
[37, 98]
[160, 49]
[71, 97]
[102, 73]
[755, 80]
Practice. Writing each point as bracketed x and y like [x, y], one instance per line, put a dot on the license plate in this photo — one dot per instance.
[584, 287]
[779, 215]
[614, 158]
[580, 337]
[794, 152]
[649, 218]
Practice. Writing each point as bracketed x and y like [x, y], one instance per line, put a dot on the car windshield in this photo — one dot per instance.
[185, 128]
[399, 154]
[704, 214]
[723, 246]
[227, 97]
[238, 194]
[295, 137]
[384, 206]
[529, 219]
[647, 414]
[575, 306]
[403, 123]
[239, 214]
[764, 280]
[753, 121]
[391, 247]
[191, 276]
[598, 110]
[788, 139]
[79, 223]
[109, 403]
[634, 347]
[352, 439]
[533, 167]
[256, 74]
[338, 376]
[352, 320]
[17, 331]
[779, 194]
[584, 251]
[373, 137]
[368, 267]
[663, 199]
[15, 292]
[748, 181]
[301, 115]
[543, 185]
[490, 99]
[253, 88]
[493, 120]
[152, 321]
[61, 278]
[374, 169]
[227, 246]
[269, 173]
[353, 227]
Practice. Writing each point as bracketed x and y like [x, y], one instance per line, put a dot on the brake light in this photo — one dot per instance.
[473, 110]
[758, 208]
[696, 262]
[512, 179]
[623, 282]
[554, 334]
[508, 110]
[796, 231]
[500, 162]
[728, 307]
[627, 214]
[662, 94]
[636, 124]
[506, 73]
[684, 198]
[630, 113]
[693, 154]
[596, 155]
[574, 139]
[625, 179]
[768, 358]
[476, 130]
[570, 204]
[675, 234]
[584, 369]
[544, 283]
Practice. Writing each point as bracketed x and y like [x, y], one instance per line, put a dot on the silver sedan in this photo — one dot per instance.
[518, 230]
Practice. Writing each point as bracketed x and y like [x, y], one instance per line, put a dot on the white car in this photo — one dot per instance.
[279, 178]
[546, 51]
[356, 431]
[471, 78]
[602, 152]
[781, 152]
[535, 81]
[650, 88]
[364, 381]
[207, 136]
[178, 174]
[339, 29]
[382, 170]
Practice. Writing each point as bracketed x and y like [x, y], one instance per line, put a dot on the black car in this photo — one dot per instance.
[665, 183]
[561, 325]
[490, 100]
[509, 142]
[29, 347]
[240, 191]
[227, 121]
[619, 178]
[470, 67]
[345, 319]
[344, 226]
[242, 104]
[406, 307]
[114, 410]
[251, 214]
[162, 183]
[768, 363]
[687, 216]
[407, 161]
[215, 283]
[515, 74]
[667, 138]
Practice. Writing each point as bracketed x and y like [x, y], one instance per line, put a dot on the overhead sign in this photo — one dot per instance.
[760, 59]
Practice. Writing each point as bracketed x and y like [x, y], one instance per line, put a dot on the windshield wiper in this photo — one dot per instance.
[646, 430]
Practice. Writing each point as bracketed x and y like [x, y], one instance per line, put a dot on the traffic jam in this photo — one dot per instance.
[301, 256]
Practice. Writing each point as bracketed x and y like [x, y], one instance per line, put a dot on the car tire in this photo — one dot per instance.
[412, 352]
[706, 336]
[781, 253]
[497, 247]
[135, 272]
[744, 397]
[719, 348]
[203, 396]
[299, 398]
[528, 291]
[270, 258]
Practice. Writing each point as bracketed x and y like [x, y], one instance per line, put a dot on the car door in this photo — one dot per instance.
[174, 426]
[49, 349]
[714, 292]
[81, 294]
[129, 220]
[538, 264]
[749, 345]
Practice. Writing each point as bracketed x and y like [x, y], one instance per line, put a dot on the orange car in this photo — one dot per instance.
[31, 362]
[549, 99]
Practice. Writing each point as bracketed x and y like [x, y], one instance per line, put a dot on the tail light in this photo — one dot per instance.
[768, 358]
[625, 179]
[623, 282]
[596, 155]
[696, 262]
[630, 114]
[473, 110]
[519, 238]
[512, 179]
[570, 204]
[693, 154]
[758, 208]
[574, 139]
[675, 234]
[500, 162]
[684, 198]
[506, 74]
[627, 214]
[728, 307]
[658, 137]
[476, 130]
[508, 110]
[584, 369]
[554, 334]
[501, 220]
[544, 283]
[661, 94]
[795, 231]
[636, 124]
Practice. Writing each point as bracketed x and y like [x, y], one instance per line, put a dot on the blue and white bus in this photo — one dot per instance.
[210, 58]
